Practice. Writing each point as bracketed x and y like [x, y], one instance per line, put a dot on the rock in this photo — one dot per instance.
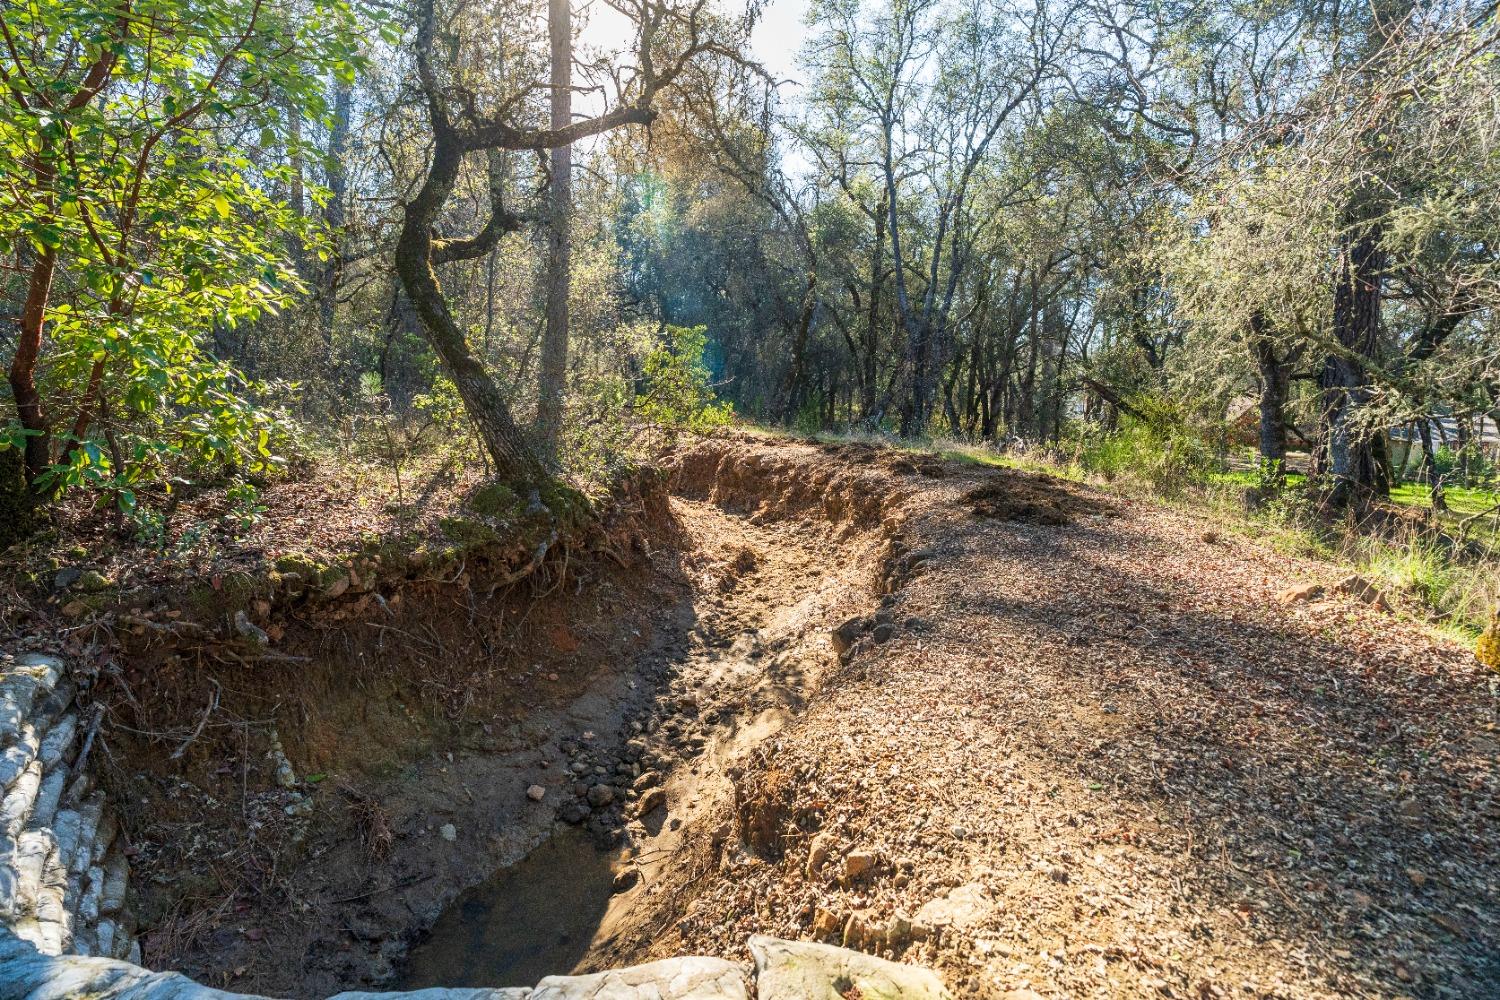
[693, 978]
[856, 863]
[625, 879]
[535, 793]
[338, 586]
[600, 796]
[1301, 594]
[75, 609]
[66, 577]
[285, 776]
[249, 630]
[653, 800]
[848, 633]
[647, 780]
[962, 907]
[883, 633]
[898, 931]
[448, 832]
[859, 935]
[800, 970]
[1363, 590]
[91, 581]
[573, 812]
[818, 852]
[826, 925]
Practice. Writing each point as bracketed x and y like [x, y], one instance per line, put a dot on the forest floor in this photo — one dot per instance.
[1048, 740]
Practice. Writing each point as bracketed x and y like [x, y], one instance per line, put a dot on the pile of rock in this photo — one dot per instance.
[784, 970]
[62, 873]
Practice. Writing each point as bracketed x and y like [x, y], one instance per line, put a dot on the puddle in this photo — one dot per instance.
[533, 919]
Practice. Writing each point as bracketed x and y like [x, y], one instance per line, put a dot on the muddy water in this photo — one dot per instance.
[533, 919]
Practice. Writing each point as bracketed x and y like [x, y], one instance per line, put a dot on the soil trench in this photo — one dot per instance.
[537, 842]
[761, 597]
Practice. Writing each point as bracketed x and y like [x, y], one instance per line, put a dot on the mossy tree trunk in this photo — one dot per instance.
[17, 510]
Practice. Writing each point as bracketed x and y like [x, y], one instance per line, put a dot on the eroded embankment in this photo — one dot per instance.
[305, 799]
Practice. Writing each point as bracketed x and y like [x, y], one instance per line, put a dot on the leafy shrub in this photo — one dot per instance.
[1159, 449]
[678, 390]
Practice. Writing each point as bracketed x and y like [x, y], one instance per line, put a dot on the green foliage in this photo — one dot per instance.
[678, 393]
[1161, 450]
[161, 199]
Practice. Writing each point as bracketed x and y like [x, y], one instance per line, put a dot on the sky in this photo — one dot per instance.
[777, 37]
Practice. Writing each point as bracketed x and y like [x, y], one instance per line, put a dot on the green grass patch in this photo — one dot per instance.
[1461, 499]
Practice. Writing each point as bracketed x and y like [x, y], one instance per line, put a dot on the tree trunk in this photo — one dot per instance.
[335, 214]
[1349, 453]
[38, 447]
[513, 457]
[552, 386]
[1274, 385]
[795, 389]
[1429, 467]
[871, 359]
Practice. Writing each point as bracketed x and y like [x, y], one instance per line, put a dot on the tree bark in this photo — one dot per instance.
[1275, 383]
[29, 411]
[513, 457]
[335, 215]
[1349, 453]
[552, 386]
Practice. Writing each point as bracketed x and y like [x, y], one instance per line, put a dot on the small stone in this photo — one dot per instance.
[1300, 594]
[249, 630]
[846, 634]
[898, 931]
[448, 832]
[653, 800]
[91, 581]
[856, 863]
[600, 796]
[818, 852]
[573, 812]
[626, 879]
[826, 925]
[535, 793]
[884, 633]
